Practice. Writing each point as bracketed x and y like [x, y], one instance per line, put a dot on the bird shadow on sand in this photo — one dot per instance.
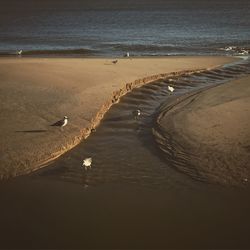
[111, 63]
[32, 131]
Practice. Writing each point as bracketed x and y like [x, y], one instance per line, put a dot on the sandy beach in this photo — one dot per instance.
[214, 128]
[156, 150]
[36, 92]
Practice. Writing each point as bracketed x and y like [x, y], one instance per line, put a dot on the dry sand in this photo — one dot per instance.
[214, 127]
[35, 92]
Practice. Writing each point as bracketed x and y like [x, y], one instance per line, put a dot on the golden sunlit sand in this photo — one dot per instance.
[36, 92]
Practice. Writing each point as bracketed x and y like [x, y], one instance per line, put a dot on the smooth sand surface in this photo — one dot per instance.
[36, 92]
[214, 126]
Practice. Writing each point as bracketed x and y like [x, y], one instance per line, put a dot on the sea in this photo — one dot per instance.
[115, 27]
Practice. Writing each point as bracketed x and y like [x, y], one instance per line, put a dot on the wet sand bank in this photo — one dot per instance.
[53, 214]
[35, 92]
[213, 128]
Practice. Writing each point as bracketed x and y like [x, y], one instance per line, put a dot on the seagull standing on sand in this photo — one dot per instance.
[19, 52]
[171, 89]
[87, 163]
[61, 123]
[136, 113]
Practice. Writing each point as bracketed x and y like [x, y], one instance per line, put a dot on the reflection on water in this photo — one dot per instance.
[132, 197]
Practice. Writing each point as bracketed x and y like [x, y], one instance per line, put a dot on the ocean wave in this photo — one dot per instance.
[173, 49]
[120, 49]
[236, 50]
[55, 52]
[155, 48]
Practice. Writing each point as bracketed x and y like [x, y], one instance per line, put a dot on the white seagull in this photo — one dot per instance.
[127, 54]
[171, 89]
[87, 163]
[136, 113]
[61, 123]
[19, 52]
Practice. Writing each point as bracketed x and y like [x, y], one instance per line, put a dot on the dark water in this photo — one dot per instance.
[135, 195]
[109, 27]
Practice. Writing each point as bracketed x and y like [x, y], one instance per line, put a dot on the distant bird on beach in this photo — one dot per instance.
[19, 52]
[127, 54]
[171, 89]
[87, 163]
[61, 123]
[115, 61]
[136, 113]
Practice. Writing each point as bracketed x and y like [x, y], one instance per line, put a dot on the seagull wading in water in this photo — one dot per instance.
[87, 163]
[171, 89]
[136, 113]
[61, 123]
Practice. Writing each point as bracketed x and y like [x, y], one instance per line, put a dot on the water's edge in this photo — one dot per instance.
[115, 98]
[119, 133]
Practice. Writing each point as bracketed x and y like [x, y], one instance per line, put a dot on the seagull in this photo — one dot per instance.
[19, 52]
[115, 61]
[136, 113]
[171, 89]
[87, 163]
[127, 54]
[61, 123]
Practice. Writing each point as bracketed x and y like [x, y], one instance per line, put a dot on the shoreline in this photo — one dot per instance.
[61, 84]
[120, 57]
[212, 127]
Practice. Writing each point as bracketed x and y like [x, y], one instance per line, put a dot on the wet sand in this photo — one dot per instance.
[213, 127]
[36, 92]
[62, 215]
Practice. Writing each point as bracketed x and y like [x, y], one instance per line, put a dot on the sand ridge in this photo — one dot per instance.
[214, 127]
